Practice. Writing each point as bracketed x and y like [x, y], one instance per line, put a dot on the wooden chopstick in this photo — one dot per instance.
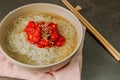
[101, 39]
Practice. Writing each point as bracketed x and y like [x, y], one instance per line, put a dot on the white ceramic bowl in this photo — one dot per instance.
[40, 7]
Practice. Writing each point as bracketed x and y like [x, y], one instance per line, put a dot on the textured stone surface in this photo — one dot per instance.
[104, 15]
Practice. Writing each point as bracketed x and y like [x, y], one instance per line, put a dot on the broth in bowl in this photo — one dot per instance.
[22, 50]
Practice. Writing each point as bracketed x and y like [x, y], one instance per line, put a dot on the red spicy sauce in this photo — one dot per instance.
[43, 34]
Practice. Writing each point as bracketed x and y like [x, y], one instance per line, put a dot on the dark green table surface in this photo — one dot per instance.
[104, 15]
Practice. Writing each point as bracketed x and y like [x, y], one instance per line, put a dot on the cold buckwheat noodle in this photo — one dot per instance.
[25, 52]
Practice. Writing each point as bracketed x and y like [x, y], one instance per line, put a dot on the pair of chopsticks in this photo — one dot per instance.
[100, 38]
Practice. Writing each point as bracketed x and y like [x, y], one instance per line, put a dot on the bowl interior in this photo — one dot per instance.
[39, 7]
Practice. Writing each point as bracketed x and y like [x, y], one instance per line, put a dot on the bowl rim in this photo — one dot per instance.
[49, 65]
